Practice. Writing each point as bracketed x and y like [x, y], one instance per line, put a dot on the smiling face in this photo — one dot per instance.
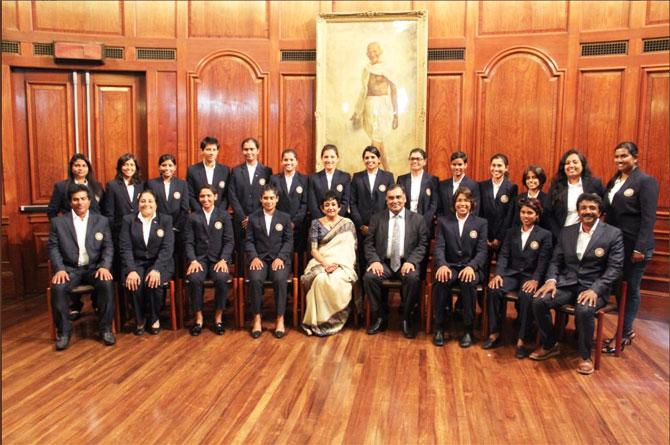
[371, 161]
[147, 204]
[289, 163]
[573, 166]
[128, 169]
[269, 201]
[167, 169]
[497, 169]
[462, 205]
[588, 212]
[528, 216]
[624, 161]
[329, 159]
[532, 181]
[209, 153]
[79, 170]
[458, 167]
[250, 152]
[207, 199]
[330, 208]
[80, 203]
[416, 162]
[395, 200]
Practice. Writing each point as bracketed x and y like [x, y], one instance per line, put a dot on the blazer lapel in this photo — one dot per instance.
[245, 173]
[70, 225]
[594, 239]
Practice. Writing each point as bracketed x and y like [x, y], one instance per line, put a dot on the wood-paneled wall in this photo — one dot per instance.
[523, 87]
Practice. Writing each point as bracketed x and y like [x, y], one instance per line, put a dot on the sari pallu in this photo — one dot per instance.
[328, 294]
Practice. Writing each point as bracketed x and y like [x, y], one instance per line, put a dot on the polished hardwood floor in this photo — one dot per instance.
[348, 388]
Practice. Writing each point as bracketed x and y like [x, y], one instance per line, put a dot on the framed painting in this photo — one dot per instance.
[371, 73]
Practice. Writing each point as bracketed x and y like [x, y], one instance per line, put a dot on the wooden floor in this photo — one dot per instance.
[349, 388]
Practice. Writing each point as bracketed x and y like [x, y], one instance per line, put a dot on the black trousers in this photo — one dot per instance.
[411, 286]
[221, 286]
[442, 294]
[60, 298]
[584, 317]
[279, 280]
[497, 306]
[147, 301]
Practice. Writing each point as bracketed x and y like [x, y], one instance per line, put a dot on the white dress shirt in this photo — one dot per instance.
[618, 183]
[456, 184]
[329, 178]
[130, 188]
[525, 236]
[461, 224]
[401, 222]
[252, 171]
[208, 215]
[80, 225]
[496, 187]
[209, 172]
[146, 226]
[372, 177]
[574, 190]
[268, 221]
[415, 191]
[166, 186]
[289, 181]
[583, 239]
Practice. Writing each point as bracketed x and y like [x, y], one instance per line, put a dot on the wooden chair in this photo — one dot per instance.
[509, 297]
[169, 287]
[81, 290]
[209, 284]
[397, 285]
[455, 292]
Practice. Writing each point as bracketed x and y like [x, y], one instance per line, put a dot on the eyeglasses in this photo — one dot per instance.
[415, 159]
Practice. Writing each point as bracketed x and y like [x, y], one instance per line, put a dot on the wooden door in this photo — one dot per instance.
[52, 116]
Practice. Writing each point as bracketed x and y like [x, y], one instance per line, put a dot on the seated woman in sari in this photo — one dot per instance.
[330, 274]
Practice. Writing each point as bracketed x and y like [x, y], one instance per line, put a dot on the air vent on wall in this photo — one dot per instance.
[156, 54]
[113, 52]
[43, 49]
[9, 46]
[654, 45]
[446, 54]
[605, 48]
[298, 55]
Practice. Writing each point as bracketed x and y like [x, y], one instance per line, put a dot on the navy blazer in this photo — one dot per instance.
[279, 244]
[244, 196]
[364, 202]
[60, 203]
[532, 260]
[157, 254]
[318, 186]
[176, 205]
[633, 210]
[600, 266]
[63, 247]
[294, 201]
[118, 204]
[498, 211]
[197, 179]
[428, 196]
[415, 243]
[211, 242]
[558, 201]
[445, 204]
[544, 218]
[469, 249]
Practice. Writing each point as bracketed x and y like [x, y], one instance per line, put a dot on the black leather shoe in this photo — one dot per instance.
[438, 338]
[521, 352]
[62, 342]
[108, 338]
[139, 330]
[255, 334]
[153, 331]
[74, 315]
[378, 326]
[466, 340]
[219, 329]
[196, 330]
[279, 334]
[408, 329]
[492, 344]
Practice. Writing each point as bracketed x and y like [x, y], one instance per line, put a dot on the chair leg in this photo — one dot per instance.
[368, 315]
[621, 312]
[485, 313]
[429, 307]
[240, 301]
[236, 312]
[295, 302]
[600, 318]
[422, 314]
[173, 309]
[117, 310]
[52, 326]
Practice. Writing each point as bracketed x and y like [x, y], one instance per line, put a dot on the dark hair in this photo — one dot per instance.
[630, 146]
[459, 155]
[593, 197]
[137, 176]
[269, 188]
[539, 172]
[166, 157]
[289, 150]
[330, 196]
[149, 191]
[532, 203]
[258, 146]
[465, 191]
[561, 177]
[330, 147]
[421, 151]
[372, 149]
[209, 140]
[208, 187]
[93, 184]
[396, 186]
[76, 188]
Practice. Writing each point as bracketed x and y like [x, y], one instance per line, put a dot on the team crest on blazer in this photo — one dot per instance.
[261, 181]
[504, 199]
[279, 227]
[176, 195]
[600, 252]
[160, 233]
[628, 192]
[298, 189]
[382, 188]
[473, 234]
[99, 236]
[339, 188]
[428, 192]
[534, 245]
[222, 184]
[218, 225]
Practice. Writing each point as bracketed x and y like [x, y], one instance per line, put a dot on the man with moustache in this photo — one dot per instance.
[587, 260]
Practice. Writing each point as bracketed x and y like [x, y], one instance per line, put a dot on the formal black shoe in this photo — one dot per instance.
[521, 352]
[438, 338]
[62, 342]
[154, 331]
[255, 334]
[407, 329]
[139, 330]
[196, 330]
[492, 344]
[279, 334]
[108, 338]
[466, 340]
[74, 315]
[378, 326]
[218, 328]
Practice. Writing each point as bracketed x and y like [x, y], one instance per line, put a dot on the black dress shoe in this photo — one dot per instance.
[438, 338]
[279, 334]
[196, 330]
[153, 331]
[108, 338]
[255, 334]
[219, 329]
[139, 330]
[466, 340]
[74, 315]
[378, 326]
[62, 342]
[521, 352]
[407, 329]
[492, 344]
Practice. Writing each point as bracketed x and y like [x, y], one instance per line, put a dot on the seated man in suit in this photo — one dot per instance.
[395, 246]
[587, 260]
[81, 252]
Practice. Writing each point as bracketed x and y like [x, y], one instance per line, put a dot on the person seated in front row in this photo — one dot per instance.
[520, 267]
[146, 248]
[208, 246]
[587, 260]
[81, 252]
[460, 257]
[330, 274]
[268, 248]
[395, 246]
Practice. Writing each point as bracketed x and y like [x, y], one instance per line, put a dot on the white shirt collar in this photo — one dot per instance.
[400, 213]
[593, 228]
[76, 217]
